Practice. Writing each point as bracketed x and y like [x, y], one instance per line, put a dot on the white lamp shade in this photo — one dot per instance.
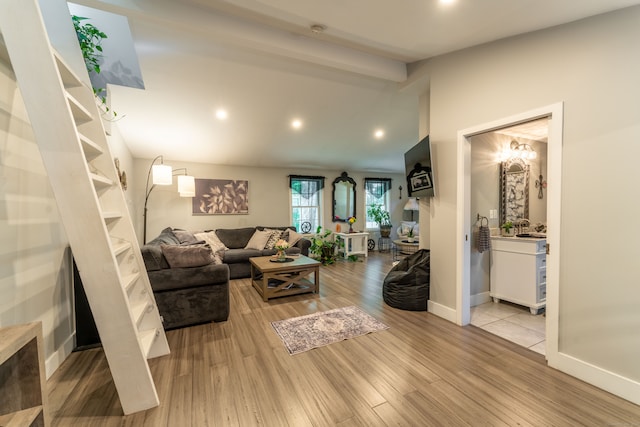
[186, 186]
[162, 175]
[411, 205]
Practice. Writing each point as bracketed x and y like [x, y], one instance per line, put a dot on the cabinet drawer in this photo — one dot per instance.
[542, 276]
[542, 293]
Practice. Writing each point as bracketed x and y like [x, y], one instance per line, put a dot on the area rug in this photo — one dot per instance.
[303, 333]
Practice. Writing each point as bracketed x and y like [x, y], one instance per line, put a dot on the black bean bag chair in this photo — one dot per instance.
[407, 284]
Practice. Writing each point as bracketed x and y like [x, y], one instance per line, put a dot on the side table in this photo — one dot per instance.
[384, 244]
[354, 243]
[404, 247]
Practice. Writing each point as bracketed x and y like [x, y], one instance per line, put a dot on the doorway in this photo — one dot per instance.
[466, 219]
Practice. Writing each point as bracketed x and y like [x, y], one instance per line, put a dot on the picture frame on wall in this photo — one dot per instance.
[221, 197]
[419, 179]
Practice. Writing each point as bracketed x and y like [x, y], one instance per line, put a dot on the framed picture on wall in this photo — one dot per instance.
[221, 197]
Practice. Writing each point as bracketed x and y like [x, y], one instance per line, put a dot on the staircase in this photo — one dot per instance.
[73, 144]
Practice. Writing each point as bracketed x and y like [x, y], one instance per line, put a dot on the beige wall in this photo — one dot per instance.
[593, 67]
[269, 203]
[35, 261]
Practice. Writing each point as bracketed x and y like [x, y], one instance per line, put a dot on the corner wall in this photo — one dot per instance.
[35, 258]
[592, 66]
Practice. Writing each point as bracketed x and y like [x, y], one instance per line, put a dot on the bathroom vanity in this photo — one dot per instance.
[519, 271]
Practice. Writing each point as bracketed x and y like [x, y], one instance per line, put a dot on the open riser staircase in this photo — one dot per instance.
[72, 140]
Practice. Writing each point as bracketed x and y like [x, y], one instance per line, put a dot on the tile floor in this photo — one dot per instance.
[512, 322]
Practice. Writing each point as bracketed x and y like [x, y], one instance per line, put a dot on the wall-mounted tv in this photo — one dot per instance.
[417, 162]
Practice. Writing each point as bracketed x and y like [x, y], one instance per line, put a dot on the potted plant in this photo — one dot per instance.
[382, 217]
[323, 246]
[507, 229]
[410, 235]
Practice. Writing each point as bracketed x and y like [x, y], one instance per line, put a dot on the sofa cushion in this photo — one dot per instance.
[258, 240]
[235, 238]
[188, 255]
[234, 256]
[179, 278]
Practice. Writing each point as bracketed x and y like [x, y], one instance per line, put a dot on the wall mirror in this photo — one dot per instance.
[514, 190]
[344, 198]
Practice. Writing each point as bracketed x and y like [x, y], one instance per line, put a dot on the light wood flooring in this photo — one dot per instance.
[423, 371]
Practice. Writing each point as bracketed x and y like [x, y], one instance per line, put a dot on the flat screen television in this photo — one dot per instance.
[417, 163]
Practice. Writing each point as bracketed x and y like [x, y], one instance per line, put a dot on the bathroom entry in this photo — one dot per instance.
[505, 165]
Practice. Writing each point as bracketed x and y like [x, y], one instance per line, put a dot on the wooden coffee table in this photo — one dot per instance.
[280, 279]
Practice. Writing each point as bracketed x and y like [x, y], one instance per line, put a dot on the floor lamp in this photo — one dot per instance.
[161, 174]
[412, 205]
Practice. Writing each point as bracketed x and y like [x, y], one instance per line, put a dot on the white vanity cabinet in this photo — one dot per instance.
[519, 271]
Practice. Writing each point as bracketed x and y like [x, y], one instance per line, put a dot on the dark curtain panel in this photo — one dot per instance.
[306, 186]
[377, 186]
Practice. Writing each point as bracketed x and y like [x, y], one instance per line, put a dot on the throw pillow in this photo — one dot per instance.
[258, 240]
[275, 236]
[212, 240]
[294, 237]
[187, 256]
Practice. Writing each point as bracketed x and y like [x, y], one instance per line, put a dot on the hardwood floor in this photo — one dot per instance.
[423, 371]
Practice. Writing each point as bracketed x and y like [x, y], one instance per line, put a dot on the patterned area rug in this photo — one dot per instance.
[303, 333]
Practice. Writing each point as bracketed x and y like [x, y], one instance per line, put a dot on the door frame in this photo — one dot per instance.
[463, 225]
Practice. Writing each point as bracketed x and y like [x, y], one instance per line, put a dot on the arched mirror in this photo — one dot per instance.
[514, 190]
[344, 198]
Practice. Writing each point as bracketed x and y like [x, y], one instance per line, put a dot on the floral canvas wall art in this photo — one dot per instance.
[221, 197]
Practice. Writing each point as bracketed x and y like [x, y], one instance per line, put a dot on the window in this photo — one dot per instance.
[376, 192]
[306, 202]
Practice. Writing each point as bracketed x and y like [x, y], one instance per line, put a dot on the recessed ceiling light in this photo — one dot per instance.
[296, 124]
[378, 133]
[221, 114]
[447, 1]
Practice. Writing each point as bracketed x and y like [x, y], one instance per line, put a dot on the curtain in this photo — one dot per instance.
[377, 186]
[306, 186]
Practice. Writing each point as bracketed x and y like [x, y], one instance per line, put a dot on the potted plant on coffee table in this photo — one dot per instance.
[382, 217]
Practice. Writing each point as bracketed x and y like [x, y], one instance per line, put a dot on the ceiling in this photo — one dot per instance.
[259, 60]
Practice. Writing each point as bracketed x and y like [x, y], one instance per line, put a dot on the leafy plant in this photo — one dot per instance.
[323, 246]
[507, 226]
[379, 215]
[90, 39]
[410, 232]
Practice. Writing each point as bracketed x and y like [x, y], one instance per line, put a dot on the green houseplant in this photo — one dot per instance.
[323, 246]
[382, 217]
[506, 228]
[90, 40]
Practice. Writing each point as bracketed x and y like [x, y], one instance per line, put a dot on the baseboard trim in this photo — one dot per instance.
[443, 311]
[480, 298]
[613, 383]
[54, 361]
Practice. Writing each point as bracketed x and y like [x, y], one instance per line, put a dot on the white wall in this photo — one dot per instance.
[269, 203]
[593, 67]
[35, 260]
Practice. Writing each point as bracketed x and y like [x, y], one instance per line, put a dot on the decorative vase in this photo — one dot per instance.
[281, 255]
[410, 239]
[338, 228]
[350, 229]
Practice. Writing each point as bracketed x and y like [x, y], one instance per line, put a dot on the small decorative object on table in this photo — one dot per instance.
[280, 246]
[352, 221]
[508, 229]
[410, 235]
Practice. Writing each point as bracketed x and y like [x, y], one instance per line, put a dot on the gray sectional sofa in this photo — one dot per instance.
[191, 282]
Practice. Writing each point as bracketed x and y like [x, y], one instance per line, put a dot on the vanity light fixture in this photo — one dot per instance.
[161, 174]
[518, 151]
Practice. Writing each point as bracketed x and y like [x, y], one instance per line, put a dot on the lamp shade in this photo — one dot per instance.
[162, 174]
[412, 205]
[186, 186]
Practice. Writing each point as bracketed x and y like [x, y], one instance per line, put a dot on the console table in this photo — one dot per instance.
[354, 243]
